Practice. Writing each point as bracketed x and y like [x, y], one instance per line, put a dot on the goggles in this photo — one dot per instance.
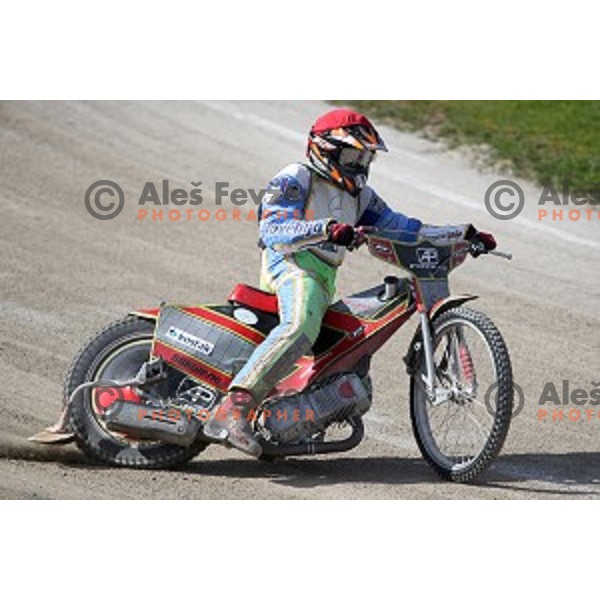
[353, 157]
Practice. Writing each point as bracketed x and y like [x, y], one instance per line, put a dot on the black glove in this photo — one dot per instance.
[481, 242]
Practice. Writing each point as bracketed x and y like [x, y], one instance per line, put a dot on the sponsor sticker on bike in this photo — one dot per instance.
[428, 257]
[187, 339]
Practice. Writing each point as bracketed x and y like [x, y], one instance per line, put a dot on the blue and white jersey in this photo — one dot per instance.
[285, 223]
[300, 204]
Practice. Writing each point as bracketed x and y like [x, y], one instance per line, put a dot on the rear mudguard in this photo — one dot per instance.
[414, 354]
[146, 313]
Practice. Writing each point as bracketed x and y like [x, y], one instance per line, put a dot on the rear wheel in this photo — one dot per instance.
[117, 353]
[460, 435]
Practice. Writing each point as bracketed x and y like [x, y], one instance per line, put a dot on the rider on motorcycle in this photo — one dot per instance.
[300, 257]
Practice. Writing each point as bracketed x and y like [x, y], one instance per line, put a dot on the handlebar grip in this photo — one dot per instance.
[506, 255]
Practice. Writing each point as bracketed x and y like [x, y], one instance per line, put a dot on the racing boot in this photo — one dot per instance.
[230, 423]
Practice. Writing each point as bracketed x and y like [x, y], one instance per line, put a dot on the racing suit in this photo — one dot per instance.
[299, 264]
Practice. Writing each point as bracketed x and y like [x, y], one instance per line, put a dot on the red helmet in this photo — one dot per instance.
[341, 145]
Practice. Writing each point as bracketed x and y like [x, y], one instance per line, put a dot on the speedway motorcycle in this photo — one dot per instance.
[139, 392]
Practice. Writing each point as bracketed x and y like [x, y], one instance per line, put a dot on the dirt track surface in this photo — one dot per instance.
[65, 274]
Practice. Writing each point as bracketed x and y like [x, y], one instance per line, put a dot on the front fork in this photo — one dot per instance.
[435, 394]
[429, 377]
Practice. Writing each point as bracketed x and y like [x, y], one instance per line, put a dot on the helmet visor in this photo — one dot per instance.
[352, 157]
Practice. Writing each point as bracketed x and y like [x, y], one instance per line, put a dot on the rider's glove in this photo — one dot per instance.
[481, 242]
[341, 234]
[360, 237]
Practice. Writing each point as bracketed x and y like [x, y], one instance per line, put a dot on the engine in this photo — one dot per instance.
[290, 419]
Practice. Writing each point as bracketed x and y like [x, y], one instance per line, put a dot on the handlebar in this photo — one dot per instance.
[500, 254]
[368, 230]
[479, 250]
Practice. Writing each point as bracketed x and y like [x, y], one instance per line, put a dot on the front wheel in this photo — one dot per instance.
[462, 430]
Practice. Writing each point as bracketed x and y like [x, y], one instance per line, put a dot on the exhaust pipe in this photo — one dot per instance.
[303, 449]
[171, 425]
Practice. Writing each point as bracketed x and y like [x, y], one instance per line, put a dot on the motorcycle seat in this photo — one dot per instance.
[254, 298]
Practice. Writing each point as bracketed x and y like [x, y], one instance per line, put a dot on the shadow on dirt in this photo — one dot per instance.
[571, 474]
[565, 474]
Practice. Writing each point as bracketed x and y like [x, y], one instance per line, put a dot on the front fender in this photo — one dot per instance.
[413, 356]
[450, 302]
